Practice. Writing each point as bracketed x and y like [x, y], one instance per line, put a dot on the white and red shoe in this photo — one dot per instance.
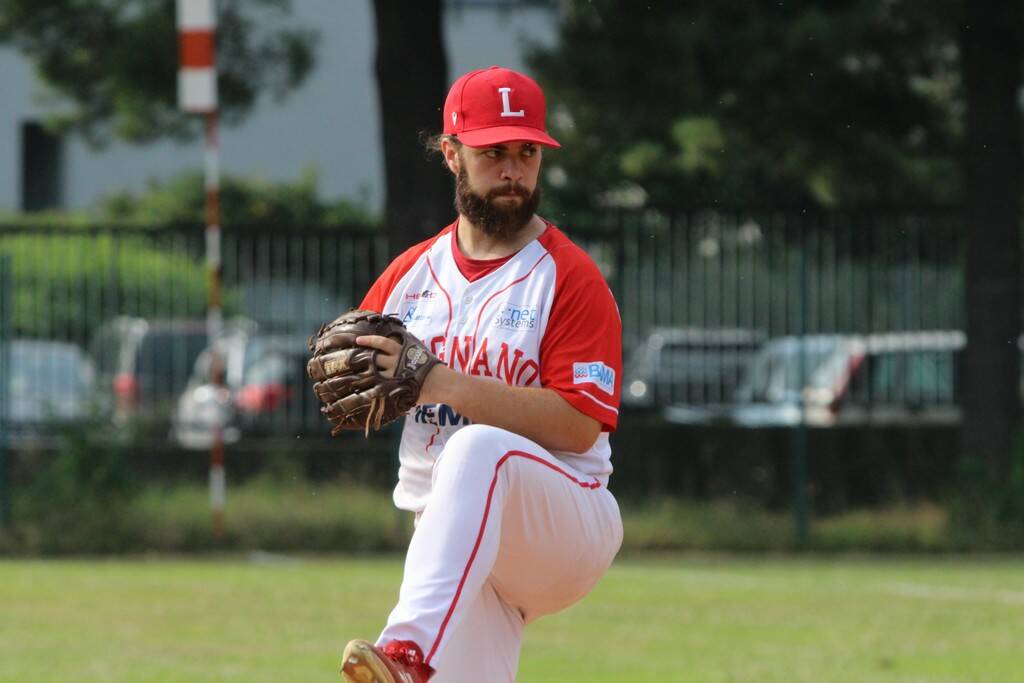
[397, 661]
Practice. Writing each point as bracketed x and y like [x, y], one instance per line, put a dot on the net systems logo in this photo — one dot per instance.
[515, 317]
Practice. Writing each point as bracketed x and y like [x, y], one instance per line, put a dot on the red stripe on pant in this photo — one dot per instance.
[483, 524]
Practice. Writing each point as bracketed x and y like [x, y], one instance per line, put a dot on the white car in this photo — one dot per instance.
[827, 380]
[264, 388]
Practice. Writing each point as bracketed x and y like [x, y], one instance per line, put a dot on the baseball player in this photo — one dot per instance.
[505, 460]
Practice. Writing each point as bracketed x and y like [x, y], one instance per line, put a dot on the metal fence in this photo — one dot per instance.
[702, 293]
[714, 285]
[783, 272]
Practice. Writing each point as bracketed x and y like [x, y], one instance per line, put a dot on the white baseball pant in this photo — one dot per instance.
[510, 534]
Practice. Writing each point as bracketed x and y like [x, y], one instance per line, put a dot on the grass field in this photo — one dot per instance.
[654, 618]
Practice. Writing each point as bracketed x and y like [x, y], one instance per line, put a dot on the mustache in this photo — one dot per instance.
[511, 188]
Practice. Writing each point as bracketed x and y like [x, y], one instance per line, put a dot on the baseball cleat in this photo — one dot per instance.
[398, 661]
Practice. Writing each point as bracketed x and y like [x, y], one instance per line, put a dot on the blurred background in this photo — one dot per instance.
[808, 212]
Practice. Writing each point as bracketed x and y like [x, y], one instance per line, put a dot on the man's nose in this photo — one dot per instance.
[512, 170]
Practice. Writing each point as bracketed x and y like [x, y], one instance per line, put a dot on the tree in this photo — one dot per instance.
[99, 61]
[991, 46]
[411, 76]
[107, 80]
[245, 202]
[803, 103]
[815, 104]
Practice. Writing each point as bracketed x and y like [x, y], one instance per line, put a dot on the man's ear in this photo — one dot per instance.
[451, 156]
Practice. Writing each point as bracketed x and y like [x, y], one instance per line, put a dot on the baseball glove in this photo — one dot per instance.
[354, 392]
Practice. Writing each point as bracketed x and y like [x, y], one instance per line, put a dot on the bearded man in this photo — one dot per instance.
[505, 460]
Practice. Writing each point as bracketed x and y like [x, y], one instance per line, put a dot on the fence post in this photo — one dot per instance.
[800, 441]
[6, 285]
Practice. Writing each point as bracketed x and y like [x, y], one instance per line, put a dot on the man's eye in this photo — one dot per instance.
[529, 151]
[492, 153]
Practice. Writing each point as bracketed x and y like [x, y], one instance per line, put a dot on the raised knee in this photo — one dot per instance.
[476, 445]
[473, 437]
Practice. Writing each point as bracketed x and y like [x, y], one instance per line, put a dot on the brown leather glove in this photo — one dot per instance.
[354, 392]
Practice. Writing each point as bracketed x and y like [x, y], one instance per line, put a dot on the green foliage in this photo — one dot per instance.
[81, 489]
[800, 103]
[668, 523]
[69, 276]
[290, 514]
[730, 524]
[245, 202]
[700, 142]
[51, 218]
[899, 528]
[270, 515]
[111, 65]
[55, 273]
[262, 514]
[987, 508]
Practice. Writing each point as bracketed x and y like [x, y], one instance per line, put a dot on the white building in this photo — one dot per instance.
[330, 123]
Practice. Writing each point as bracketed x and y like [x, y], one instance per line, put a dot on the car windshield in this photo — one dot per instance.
[920, 376]
[47, 372]
[774, 374]
[166, 358]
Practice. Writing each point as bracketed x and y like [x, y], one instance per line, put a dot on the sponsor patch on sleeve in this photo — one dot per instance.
[594, 372]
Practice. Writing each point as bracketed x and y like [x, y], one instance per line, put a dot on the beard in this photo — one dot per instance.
[492, 216]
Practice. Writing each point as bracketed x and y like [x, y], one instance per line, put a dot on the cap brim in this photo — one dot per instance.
[482, 137]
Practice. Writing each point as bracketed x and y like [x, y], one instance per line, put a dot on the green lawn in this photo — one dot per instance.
[668, 618]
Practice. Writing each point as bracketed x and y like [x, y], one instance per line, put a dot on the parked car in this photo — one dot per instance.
[50, 383]
[907, 377]
[695, 367]
[143, 365]
[264, 391]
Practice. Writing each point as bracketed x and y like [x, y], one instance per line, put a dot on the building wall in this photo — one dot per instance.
[330, 124]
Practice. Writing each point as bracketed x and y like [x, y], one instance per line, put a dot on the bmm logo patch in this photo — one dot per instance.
[594, 372]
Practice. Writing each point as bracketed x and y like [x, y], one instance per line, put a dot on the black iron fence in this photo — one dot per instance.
[757, 306]
[702, 295]
[783, 273]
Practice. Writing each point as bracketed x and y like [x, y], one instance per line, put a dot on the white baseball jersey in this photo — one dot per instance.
[542, 317]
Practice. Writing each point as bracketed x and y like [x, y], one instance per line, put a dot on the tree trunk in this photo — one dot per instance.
[412, 75]
[991, 54]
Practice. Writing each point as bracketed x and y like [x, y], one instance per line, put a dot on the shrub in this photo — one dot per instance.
[67, 284]
[986, 509]
[244, 202]
[70, 498]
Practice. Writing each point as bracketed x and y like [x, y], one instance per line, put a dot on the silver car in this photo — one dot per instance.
[827, 380]
[49, 383]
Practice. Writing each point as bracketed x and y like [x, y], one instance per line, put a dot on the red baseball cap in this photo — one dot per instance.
[493, 105]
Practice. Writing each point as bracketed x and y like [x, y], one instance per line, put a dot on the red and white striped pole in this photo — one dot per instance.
[197, 93]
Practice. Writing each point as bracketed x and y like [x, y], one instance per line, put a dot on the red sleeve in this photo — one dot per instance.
[377, 297]
[378, 294]
[581, 353]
